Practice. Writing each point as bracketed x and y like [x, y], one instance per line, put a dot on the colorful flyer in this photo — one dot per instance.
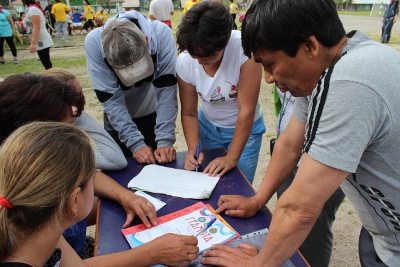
[188, 221]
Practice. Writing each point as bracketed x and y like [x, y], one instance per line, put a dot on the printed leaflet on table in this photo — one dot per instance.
[188, 221]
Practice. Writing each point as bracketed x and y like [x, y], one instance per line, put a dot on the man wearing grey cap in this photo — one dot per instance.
[131, 64]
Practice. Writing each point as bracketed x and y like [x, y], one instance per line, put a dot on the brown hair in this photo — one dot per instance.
[61, 74]
[41, 164]
[31, 97]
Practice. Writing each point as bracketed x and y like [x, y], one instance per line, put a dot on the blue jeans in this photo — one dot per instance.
[212, 136]
[62, 26]
[387, 29]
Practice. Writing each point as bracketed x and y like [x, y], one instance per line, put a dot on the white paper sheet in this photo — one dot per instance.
[174, 182]
[158, 204]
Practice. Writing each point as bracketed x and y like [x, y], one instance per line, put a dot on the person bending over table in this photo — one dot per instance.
[136, 84]
[35, 210]
[212, 67]
[31, 97]
[345, 124]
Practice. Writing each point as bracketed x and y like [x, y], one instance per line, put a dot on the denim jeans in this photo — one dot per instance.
[212, 136]
[62, 26]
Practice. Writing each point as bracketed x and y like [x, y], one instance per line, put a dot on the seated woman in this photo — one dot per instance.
[30, 97]
[212, 67]
[108, 154]
[35, 210]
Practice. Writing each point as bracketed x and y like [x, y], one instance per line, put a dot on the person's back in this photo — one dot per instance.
[189, 4]
[59, 11]
[161, 10]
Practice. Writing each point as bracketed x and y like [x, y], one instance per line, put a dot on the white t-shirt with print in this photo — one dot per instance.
[44, 40]
[218, 94]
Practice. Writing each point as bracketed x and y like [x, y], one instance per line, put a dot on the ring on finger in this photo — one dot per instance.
[189, 256]
[149, 203]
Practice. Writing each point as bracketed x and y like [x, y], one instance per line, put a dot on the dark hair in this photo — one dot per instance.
[87, 2]
[33, 2]
[205, 29]
[285, 24]
[21, 14]
[30, 97]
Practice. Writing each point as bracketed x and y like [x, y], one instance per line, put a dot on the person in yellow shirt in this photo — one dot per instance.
[189, 4]
[59, 11]
[100, 17]
[233, 9]
[88, 13]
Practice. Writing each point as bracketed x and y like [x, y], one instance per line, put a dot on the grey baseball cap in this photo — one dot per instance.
[126, 50]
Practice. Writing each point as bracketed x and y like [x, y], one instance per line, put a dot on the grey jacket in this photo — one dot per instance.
[120, 105]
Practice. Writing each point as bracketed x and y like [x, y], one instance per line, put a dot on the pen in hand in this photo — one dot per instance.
[197, 156]
[207, 226]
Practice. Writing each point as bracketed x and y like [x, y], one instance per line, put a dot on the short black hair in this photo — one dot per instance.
[205, 29]
[285, 24]
[31, 97]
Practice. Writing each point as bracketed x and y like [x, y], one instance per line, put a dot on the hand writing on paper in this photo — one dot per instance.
[136, 205]
[144, 155]
[165, 154]
[238, 206]
[173, 250]
[191, 162]
[220, 166]
[221, 255]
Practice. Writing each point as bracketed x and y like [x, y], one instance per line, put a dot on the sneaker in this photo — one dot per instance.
[67, 41]
[15, 61]
[74, 34]
[81, 33]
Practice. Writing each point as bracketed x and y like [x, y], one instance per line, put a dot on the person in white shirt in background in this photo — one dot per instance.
[162, 10]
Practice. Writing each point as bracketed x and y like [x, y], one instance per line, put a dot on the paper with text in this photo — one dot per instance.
[174, 182]
[185, 222]
[158, 204]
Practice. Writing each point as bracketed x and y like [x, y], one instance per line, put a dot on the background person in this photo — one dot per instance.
[162, 10]
[212, 66]
[388, 19]
[233, 9]
[88, 13]
[7, 33]
[51, 99]
[41, 39]
[100, 17]
[345, 126]
[189, 4]
[138, 97]
[76, 21]
[59, 11]
[52, 20]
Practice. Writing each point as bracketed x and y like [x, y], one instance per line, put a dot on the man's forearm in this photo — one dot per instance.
[289, 228]
[281, 165]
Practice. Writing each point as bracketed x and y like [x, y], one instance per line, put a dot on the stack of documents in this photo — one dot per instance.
[188, 221]
[174, 182]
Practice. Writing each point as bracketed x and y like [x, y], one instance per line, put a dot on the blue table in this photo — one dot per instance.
[111, 216]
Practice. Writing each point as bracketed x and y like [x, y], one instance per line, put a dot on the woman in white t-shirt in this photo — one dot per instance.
[212, 67]
[41, 39]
